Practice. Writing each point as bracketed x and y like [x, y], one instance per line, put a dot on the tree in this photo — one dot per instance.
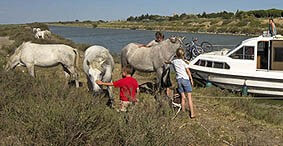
[131, 18]
[204, 15]
[183, 16]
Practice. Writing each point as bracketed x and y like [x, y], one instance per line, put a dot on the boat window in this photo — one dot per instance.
[234, 48]
[202, 63]
[226, 66]
[197, 63]
[249, 53]
[218, 65]
[246, 52]
[213, 64]
[209, 64]
[238, 54]
[278, 54]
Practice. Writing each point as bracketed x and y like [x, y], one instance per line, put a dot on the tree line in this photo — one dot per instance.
[274, 13]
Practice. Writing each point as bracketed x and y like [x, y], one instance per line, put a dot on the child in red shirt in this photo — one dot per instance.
[128, 88]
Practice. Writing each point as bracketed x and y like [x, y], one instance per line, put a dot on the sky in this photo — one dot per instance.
[27, 11]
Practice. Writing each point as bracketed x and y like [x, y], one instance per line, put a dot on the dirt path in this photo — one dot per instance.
[222, 124]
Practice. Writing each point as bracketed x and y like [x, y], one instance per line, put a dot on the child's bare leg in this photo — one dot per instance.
[183, 101]
[190, 101]
[168, 91]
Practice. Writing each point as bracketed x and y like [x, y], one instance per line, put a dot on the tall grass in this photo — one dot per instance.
[44, 111]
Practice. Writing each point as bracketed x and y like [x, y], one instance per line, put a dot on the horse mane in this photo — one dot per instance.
[18, 49]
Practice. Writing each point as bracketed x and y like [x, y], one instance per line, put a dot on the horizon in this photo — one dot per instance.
[29, 11]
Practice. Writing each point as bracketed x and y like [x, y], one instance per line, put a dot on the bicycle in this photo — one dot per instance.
[194, 49]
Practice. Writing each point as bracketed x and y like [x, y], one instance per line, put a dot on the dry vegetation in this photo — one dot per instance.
[46, 111]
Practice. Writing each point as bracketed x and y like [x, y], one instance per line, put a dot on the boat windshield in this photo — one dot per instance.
[234, 48]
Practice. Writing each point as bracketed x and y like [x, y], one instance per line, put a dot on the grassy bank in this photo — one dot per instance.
[243, 26]
[46, 111]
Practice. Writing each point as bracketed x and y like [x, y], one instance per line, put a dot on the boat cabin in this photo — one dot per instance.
[265, 52]
[256, 63]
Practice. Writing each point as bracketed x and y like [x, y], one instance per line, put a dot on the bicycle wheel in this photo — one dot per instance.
[206, 46]
[188, 52]
[195, 52]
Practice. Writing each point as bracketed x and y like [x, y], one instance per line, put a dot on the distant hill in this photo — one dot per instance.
[275, 13]
[252, 22]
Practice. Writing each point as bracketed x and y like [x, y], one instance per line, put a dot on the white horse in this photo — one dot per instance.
[98, 64]
[42, 34]
[34, 30]
[31, 54]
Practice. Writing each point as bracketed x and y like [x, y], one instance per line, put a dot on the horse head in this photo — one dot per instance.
[177, 39]
[96, 72]
[173, 43]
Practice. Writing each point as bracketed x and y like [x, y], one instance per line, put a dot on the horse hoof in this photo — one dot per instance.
[110, 103]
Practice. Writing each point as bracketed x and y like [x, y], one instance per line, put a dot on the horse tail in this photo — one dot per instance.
[124, 60]
[76, 58]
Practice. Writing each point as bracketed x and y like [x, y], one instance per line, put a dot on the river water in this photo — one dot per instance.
[116, 39]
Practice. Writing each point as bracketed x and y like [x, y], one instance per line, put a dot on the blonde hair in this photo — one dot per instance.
[180, 53]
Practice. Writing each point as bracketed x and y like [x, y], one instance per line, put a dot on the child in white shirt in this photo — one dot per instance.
[184, 79]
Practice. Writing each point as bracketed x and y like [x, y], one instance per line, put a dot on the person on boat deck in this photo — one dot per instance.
[272, 27]
[159, 37]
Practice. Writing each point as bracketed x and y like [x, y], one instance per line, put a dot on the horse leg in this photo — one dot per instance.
[133, 71]
[30, 68]
[159, 75]
[66, 72]
[89, 84]
[110, 94]
[74, 74]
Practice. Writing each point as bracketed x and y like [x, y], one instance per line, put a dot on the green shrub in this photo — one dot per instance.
[42, 26]
[242, 23]
[94, 25]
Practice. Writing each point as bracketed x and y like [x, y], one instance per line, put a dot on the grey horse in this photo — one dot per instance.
[150, 59]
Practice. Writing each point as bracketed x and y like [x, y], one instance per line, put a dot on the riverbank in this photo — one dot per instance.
[246, 26]
[45, 111]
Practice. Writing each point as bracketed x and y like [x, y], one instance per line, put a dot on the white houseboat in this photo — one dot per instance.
[256, 63]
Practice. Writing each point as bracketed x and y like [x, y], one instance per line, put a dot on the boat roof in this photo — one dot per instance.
[263, 38]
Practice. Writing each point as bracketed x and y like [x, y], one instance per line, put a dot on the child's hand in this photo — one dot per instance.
[98, 82]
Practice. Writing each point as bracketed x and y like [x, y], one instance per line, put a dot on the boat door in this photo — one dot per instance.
[270, 59]
[276, 55]
[262, 55]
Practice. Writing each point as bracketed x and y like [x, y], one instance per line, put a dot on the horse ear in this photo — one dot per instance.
[102, 62]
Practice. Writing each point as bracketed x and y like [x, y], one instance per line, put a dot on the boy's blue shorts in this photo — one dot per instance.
[184, 85]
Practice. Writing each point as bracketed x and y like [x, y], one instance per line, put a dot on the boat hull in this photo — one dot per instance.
[259, 86]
